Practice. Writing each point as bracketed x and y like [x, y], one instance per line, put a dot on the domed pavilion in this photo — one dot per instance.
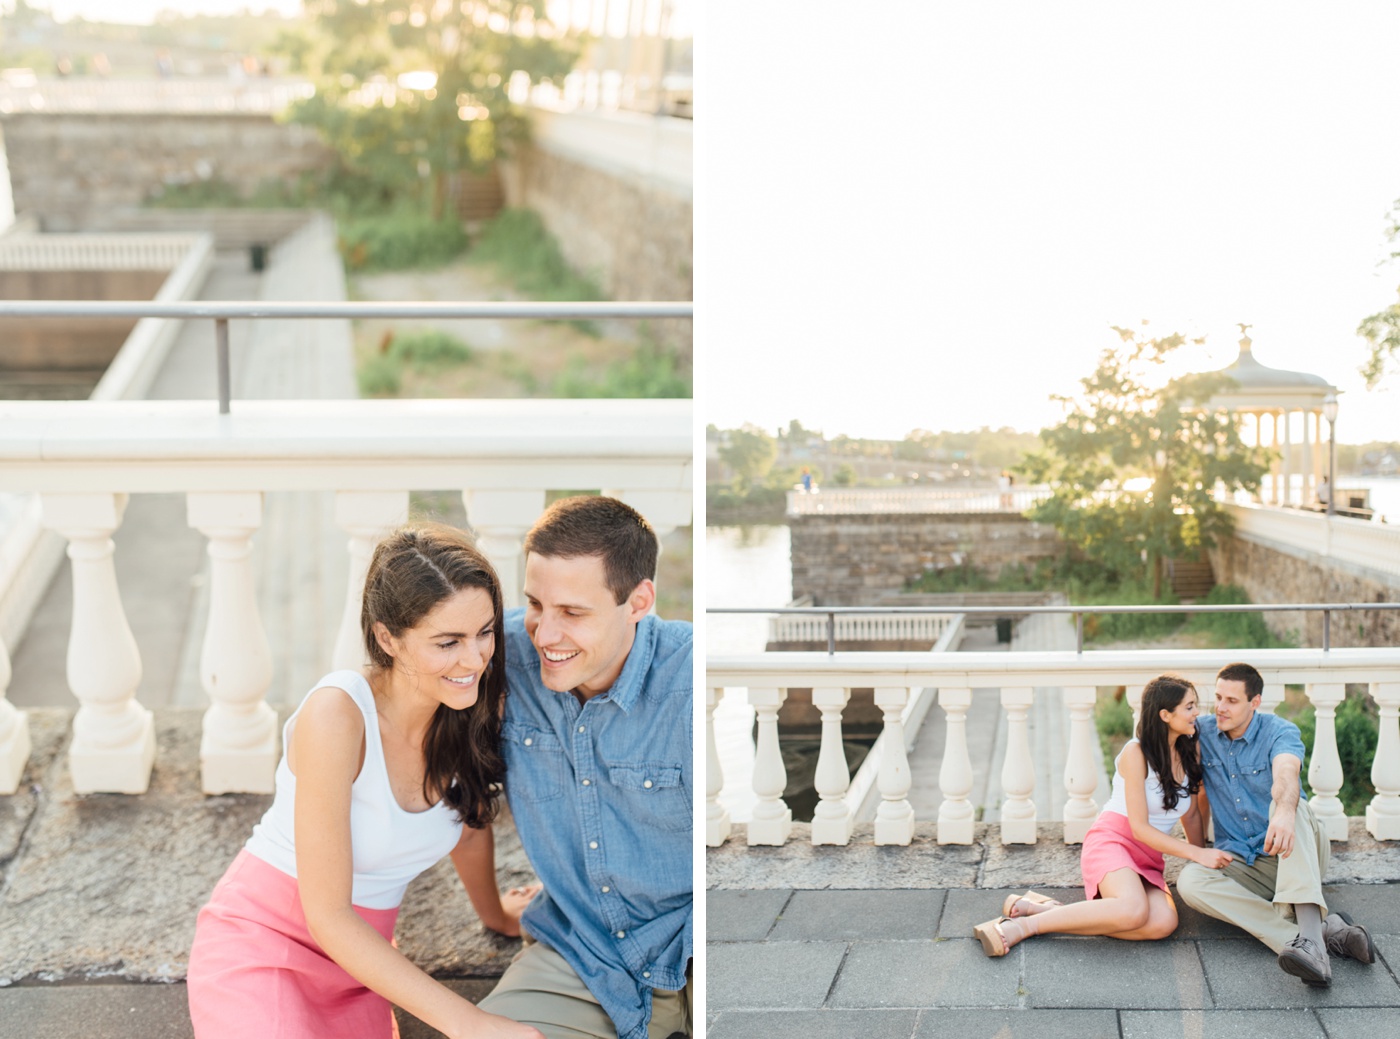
[1269, 398]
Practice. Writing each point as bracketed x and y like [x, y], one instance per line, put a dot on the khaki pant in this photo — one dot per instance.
[539, 988]
[1260, 898]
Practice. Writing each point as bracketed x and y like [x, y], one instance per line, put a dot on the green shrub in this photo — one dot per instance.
[527, 255]
[1358, 731]
[1116, 627]
[1114, 720]
[399, 241]
[651, 372]
[1234, 630]
[429, 349]
[379, 377]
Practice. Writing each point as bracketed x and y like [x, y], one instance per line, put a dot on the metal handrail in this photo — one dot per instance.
[1079, 612]
[222, 312]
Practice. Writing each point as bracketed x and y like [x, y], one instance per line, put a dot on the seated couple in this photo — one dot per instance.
[580, 704]
[1264, 873]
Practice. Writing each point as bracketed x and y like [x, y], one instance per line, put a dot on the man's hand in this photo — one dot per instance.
[1279, 838]
[513, 903]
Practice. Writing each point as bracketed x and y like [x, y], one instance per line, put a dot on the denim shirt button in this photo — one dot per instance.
[622, 934]
[593, 844]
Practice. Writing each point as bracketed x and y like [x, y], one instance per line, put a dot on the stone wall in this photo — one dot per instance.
[853, 559]
[66, 168]
[1277, 574]
[633, 238]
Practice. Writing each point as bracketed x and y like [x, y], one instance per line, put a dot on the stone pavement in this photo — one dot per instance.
[877, 942]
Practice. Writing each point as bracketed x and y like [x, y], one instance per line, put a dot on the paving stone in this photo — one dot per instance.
[1388, 946]
[1163, 975]
[860, 865]
[1050, 862]
[742, 916]
[1377, 906]
[812, 1024]
[964, 910]
[1018, 1024]
[771, 975]
[95, 1012]
[1244, 975]
[925, 974]
[1378, 1023]
[859, 916]
[1362, 859]
[1220, 1024]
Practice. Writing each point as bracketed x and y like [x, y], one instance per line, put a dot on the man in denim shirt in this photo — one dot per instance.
[597, 742]
[1252, 762]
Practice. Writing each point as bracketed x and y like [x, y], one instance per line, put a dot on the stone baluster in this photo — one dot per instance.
[238, 750]
[956, 816]
[771, 822]
[1018, 817]
[14, 733]
[716, 815]
[501, 520]
[1135, 702]
[1325, 770]
[1081, 776]
[831, 822]
[367, 516]
[894, 818]
[114, 741]
[1274, 691]
[1383, 813]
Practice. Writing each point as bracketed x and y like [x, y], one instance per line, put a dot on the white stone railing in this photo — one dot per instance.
[895, 677]
[210, 95]
[871, 500]
[95, 252]
[85, 458]
[887, 627]
[1363, 543]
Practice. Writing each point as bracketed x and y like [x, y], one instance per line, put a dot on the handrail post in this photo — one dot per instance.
[1326, 630]
[831, 634]
[1078, 631]
[221, 353]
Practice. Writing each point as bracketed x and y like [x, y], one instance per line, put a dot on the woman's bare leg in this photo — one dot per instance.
[1122, 909]
[1161, 920]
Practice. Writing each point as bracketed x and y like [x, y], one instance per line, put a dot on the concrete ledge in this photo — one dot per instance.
[106, 886]
[986, 863]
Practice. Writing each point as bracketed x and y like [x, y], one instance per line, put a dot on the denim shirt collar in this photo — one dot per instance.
[1250, 731]
[628, 688]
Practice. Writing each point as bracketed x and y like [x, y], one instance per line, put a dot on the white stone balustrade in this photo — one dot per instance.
[1014, 676]
[85, 457]
[716, 815]
[832, 818]
[238, 750]
[871, 500]
[875, 627]
[14, 732]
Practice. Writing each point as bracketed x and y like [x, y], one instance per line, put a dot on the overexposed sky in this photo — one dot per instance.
[143, 12]
[918, 214]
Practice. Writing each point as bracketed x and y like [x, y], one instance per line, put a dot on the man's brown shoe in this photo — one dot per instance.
[1303, 958]
[1348, 939]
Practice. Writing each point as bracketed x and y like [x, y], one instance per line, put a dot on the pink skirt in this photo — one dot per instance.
[256, 972]
[1110, 845]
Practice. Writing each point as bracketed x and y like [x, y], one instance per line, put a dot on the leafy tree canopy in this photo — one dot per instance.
[750, 452]
[1133, 468]
[1382, 329]
[411, 91]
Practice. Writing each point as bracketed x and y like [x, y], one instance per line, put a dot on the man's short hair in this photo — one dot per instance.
[590, 525]
[1252, 679]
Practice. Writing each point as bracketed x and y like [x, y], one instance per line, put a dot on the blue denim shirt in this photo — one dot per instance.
[601, 795]
[1240, 778]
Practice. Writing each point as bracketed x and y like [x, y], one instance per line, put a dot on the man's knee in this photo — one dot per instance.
[1194, 880]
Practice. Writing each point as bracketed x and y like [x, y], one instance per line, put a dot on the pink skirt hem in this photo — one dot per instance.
[1110, 845]
[256, 972]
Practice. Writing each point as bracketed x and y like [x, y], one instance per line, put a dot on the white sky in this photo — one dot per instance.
[913, 214]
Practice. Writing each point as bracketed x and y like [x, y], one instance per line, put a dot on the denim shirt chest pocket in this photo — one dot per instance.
[651, 791]
[536, 766]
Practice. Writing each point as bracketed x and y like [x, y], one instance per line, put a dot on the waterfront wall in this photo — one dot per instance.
[855, 559]
[68, 168]
[1280, 573]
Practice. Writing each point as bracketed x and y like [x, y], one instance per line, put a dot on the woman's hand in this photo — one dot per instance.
[482, 1025]
[513, 903]
[1212, 858]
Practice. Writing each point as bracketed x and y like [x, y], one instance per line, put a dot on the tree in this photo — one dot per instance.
[409, 91]
[1382, 329]
[750, 452]
[1133, 469]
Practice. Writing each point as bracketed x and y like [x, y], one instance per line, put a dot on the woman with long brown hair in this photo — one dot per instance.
[1157, 780]
[384, 771]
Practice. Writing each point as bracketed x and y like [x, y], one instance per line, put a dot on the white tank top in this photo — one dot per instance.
[389, 846]
[1159, 817]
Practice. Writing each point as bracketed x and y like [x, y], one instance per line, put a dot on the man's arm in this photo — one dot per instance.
[1284, 794]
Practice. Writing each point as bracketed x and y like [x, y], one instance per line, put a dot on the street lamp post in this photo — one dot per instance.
[1329, 409]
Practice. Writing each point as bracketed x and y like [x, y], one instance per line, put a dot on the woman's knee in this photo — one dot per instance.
[1162, 921]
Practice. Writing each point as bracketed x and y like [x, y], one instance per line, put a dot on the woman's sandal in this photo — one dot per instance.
[1038, 903]
[993, 941]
